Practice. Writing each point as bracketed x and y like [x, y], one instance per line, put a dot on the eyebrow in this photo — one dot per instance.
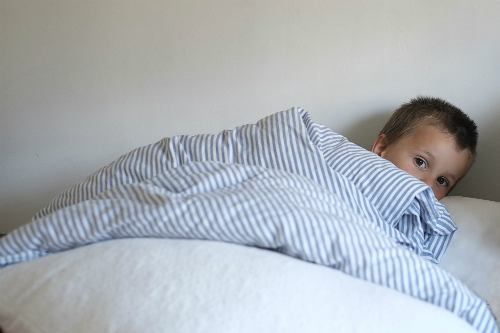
[430, 155]
[453, 177]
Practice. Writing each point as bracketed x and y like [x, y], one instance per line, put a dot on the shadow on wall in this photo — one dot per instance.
[17, 211]
[483, 179]
[365, 131]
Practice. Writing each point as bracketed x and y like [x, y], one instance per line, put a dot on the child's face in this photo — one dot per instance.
[427, 154]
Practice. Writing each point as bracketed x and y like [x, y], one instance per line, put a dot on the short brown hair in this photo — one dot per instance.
[434, 111]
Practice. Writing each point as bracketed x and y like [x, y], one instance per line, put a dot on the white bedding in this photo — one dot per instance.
[254, 206]
[474, 253]
[186, 286]
[329, 202]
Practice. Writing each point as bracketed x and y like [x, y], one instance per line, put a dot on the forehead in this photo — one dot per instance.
[430, 134]
[425, 129]
[432, 140]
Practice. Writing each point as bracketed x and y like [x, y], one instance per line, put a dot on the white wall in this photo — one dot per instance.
[82, 82]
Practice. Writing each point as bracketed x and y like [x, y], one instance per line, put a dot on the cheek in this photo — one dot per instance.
[398, 160]
[439, 194]
[412, 171]
[405, 163]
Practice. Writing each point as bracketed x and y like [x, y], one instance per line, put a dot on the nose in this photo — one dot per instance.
[432, 184]
[428, 180]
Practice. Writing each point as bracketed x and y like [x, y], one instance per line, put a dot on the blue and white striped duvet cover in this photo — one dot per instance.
[286, 184]
[397, 202]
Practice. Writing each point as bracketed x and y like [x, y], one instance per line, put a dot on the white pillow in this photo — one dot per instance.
[474, 252]
[185, 286]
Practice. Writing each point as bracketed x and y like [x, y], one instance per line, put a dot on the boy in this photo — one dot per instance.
[430, 139]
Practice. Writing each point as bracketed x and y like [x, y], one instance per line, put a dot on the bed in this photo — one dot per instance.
[278, 226]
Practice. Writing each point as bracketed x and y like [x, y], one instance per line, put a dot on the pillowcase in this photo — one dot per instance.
[291, 141]
[186, 286]
[474, 254]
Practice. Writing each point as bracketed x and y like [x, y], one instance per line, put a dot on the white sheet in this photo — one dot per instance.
[158, 285]
[474, 253]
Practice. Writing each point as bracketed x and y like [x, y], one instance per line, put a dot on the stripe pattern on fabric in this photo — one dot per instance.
[292, 142]
[253, 206]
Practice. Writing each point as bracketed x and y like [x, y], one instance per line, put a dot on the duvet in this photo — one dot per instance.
[286, 184]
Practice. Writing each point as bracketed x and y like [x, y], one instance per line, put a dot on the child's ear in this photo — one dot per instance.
[379, 145]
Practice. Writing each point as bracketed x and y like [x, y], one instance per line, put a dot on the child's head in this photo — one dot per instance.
[430, 139]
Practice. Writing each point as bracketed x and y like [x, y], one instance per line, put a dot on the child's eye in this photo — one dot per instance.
[442, 181]
[420, 162]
